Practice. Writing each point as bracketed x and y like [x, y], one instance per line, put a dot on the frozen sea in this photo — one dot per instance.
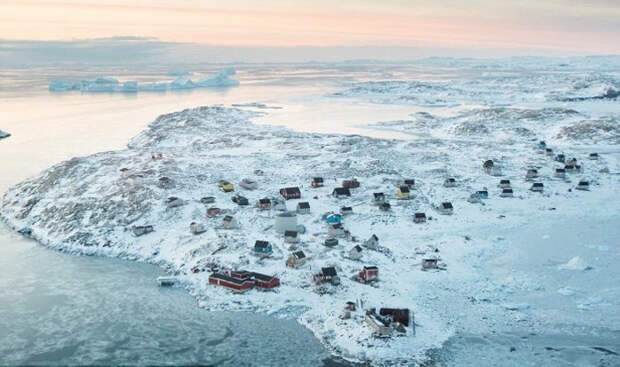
[65, 310]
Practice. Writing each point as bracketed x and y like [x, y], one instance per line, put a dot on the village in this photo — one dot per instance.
[340, 232]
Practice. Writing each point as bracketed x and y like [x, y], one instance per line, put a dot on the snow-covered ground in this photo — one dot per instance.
[88, 206]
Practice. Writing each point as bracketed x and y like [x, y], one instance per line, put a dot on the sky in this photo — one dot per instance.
[484, 26]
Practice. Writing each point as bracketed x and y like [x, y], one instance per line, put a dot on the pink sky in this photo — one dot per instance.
[588, 26]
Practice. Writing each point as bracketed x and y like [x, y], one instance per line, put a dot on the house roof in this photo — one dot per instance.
[375, 237]
[404, 189]
[357, 248]
[370, 267]
[291, 190]
[346, 209]
[317, 179]
[378, 195]
[229, 279]
[299, 254]
[538, 184]
[584, 183]
[337, 225]
[504, 181]
[506, 191]
[228, 218]
[329, 271]
[420, 215]
[409, 181]
[303, 205]
[342, 191]
[264, 201]
[262, 277]
[290, 233]
[450, 179]
[446, 205]
[261, 244]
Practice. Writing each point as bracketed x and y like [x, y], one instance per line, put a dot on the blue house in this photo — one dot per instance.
[262, 248]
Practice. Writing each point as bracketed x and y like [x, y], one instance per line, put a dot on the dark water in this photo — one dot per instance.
[59, 309]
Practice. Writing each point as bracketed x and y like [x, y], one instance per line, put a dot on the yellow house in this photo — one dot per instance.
[403, 192]
[225, 186]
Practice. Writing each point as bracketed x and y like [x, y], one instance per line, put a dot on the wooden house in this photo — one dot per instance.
[197, 228]
[430, 263]
[402, 192]
[419, 217]
[327, 275]
[506, 193]
[446, 208]
[262, 248]
[240, 200]
[559, 173]
[248, 184]
[537, 187]
[346, 210]
[290, 193]
[531, 174]
[303, 207]
[225, 186]
[296, 259]
[504, 184]
[369, 274]
[291, 236]
[449, 182]
[213, 211]
[351, 184]
[330, 242]
[316, 182]
[583, 185]
[229, 222]
[355, 253]
[341, 192]
[141, 230]
[263, 204]
[378, 198]
[371, 242]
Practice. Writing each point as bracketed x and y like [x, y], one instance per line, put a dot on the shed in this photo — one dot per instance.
[402, 192]
[583, 185]
[537, 187]
[378, 198]
[165, 182]
[290, 236]
[229, 222]
[296, 259]
[473, 198]
[197, 228]
[262, 248]
[317, 182]
[507, 193]
[504, 184]
[488, 165]
[419, 217]
[559, 173]
[341, 191]
[380, 328]
[449, 182]
[303, 207]
[355, 253]
[290, 193]
[400, 315]
[263, 204]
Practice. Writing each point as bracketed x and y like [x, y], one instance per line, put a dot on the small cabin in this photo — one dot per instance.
[296, 259]
[336, 230]
[372, 242]
[593, 156]
[385, 207]
[583, 185]
[504, 184]
[225, 186]
[549, 152]
[482, 194]
[240, 200]
[474, 198]
[449, 182]
[262, 248]
[263, 204]
[212, 212]
[303, 207]
[409, 182]
[531, 174]
[207, 200]
[378, 198]
[506, 193]
[341, 192]
[430, 263]
[559, 173]
[197, 228]
[316, 182]
[173, 202]
[402, 192]
[346, 210]
[291, 236]
[229, 222]
[330, 242]
[290, 193]
[446, 208]
[327, 274]
[419, 217]
[560, 158]
[248, 184]
[351, 184]
[369, 274]
[333, 218]
[355, 253]
[537, 187]
[141, 230]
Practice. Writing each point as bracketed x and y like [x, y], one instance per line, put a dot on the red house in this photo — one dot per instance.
[290, 193]
[237, 281]
[351, 184]
[369, 274]
[263, 281]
